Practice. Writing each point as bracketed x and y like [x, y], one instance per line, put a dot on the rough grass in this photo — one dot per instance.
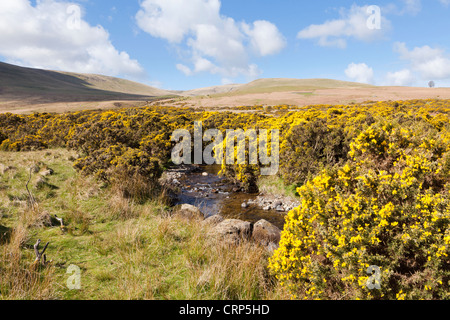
[125, 250]
[275, 185]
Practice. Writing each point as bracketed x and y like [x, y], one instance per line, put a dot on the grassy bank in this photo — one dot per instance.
[125, 250]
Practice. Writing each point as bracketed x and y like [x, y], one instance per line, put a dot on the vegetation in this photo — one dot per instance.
[125, 249]
[373, 180]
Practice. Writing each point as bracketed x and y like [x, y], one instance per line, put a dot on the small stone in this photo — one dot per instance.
[205, 174]
[4, 169]
[40, 183]
[47, 172]
[244, 205]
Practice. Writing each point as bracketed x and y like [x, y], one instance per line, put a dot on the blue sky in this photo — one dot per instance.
[185, 44]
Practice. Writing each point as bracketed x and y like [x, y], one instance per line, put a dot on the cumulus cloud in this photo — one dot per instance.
[400, 78]
[53, 35]
[353, 23]
[360, 72]
[217, 44]
[174, 19]
[265, 37]
[428, 62]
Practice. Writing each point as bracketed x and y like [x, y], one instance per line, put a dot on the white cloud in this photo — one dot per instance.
[185, 69]
[400, 78]
[266, 39]
[53, 35]
[173, 19]
[359, 72]
[408, 7]
[429, 63]
[217, 44]
[353, 23]
[412, 6]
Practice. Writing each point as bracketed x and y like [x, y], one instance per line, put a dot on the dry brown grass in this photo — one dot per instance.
[126, 249]
[20, 278]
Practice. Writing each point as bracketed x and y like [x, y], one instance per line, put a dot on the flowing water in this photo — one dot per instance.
[213, 194]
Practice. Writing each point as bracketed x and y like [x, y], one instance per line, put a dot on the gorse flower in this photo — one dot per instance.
[373, 181]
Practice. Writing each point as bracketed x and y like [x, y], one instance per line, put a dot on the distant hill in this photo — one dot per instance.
[271, 85]
[25, 90]
[44, 86]
[280, 85]
[228, 88]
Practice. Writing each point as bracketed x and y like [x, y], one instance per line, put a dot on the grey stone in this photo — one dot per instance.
[232, 231]
[212, 221]
[265, 233]
[47, 172]
[189, 212]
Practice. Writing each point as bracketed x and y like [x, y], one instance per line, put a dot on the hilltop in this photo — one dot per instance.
[20, 86]
[24, 90]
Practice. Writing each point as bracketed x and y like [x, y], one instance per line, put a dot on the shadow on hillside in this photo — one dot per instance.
[45, 86]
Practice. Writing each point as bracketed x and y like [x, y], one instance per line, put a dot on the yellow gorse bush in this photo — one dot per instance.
[373, 180]
[388, 206]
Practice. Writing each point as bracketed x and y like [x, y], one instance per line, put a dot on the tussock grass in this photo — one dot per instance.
[126, 249]
[276, 186]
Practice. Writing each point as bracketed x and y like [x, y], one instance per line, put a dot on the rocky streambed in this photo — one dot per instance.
[202, 187]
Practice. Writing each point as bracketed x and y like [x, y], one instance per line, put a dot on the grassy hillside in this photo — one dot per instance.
[275, 85]
[125, 250]
[41, 86]
[282, 84]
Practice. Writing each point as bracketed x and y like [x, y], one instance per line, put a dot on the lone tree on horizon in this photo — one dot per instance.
[431, 84]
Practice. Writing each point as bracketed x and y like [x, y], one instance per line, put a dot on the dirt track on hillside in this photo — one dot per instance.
[319, 96]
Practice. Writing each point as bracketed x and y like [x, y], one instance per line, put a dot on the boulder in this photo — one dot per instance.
[266, 233]
[213, 220]
[271, 247]
[232, 231]
[189, 212]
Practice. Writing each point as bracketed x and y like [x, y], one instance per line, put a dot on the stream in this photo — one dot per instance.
[202, 187]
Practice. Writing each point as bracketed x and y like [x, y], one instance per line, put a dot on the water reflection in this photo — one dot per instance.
[215, 195]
